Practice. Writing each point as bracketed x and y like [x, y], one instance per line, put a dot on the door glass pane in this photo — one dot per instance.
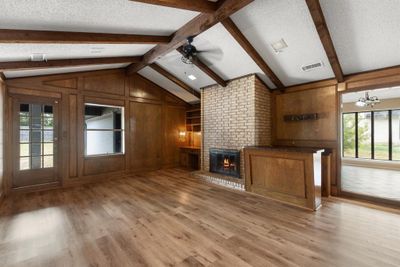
[48, 136]
[381, 135]
[48, 111]
[36, 149]
[24, 163]
[24, 136]
[48, 123]
[48, 148]
[349, 135]
[24, 122]
[24, 150]
[364, 135]
[36, 162]
[47, 161]
[36, 134]
[396, 134]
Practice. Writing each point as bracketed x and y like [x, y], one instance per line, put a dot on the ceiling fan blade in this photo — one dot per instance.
[215, 54]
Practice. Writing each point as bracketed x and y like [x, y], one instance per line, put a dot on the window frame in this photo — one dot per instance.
[122, 131]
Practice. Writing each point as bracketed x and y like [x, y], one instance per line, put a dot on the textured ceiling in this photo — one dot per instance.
[234, 61]
[37, 72]
[22, 52]
[264, 22]
[163, 82]
[173, 63]
[365, 33]
[116, 16]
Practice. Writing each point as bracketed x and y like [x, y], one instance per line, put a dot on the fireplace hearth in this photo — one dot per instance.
[225, 161]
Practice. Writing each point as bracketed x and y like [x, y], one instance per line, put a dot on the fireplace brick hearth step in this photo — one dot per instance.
[222, 180]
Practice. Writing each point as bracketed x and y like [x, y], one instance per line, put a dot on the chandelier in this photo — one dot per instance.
[367, 101]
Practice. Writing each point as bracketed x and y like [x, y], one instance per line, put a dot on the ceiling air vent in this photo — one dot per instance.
[312, 66]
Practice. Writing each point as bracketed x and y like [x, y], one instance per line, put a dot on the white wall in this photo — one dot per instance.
[100, 142]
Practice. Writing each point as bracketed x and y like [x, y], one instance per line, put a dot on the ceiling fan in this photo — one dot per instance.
[190, 53]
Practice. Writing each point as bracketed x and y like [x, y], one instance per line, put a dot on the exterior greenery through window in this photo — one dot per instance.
[104, 130]
[371, 135]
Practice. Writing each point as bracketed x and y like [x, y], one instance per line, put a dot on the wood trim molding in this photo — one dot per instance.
[29, 36]
[2, 77]
[326, 40]
[192, 5]
[203, 67]
[18, 65]
[251, 51]
[174, 79]
[199, 24]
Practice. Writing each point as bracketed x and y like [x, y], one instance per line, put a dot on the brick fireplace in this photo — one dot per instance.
[234, 117]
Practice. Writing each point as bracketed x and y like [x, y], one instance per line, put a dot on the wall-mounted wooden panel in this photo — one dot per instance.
[321, 101]
[106, 83]
[174, 122]
[142, 88]
[73, 121]
[145, 136]
[98, 165]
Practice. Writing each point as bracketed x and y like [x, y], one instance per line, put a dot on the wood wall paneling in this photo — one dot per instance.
[73, 136]
[145, 135]
[103, 164]
[141, 88]
[321, 101]
[151, 112]
[111, 83]
[174, 122]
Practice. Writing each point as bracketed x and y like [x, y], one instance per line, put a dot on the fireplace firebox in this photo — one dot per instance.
[225, 161]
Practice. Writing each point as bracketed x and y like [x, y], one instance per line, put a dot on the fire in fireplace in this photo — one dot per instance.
[225, 161]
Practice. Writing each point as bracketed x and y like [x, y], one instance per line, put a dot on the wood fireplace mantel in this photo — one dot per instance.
[288, 174]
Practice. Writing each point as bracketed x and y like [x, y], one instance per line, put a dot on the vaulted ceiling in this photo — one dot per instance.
[346, 36]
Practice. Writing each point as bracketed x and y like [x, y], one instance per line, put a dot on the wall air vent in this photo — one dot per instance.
[312, 66]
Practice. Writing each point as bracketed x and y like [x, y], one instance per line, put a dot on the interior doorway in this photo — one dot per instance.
[35, 141]
[370, 144]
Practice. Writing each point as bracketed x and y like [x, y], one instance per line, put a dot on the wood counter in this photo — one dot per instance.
[291, 175]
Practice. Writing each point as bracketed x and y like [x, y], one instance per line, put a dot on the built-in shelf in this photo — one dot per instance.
[193, 120]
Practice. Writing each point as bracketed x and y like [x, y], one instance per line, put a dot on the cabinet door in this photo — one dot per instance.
[145, 136]
[184, 159]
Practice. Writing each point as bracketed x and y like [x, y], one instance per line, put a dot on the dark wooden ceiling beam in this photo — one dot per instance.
[203, 6]
[197, 62]
[326, 40]
[2, 77]
[174, 79]
[55, 37]
[251, 51]
[20, 65]
[194, 27]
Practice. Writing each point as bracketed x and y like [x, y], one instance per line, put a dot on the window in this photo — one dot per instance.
[364, 134]
[104, 130]
[371, 135]
[349, 135]
[36, 136]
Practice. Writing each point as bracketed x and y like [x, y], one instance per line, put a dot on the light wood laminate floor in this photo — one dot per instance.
[167, 218]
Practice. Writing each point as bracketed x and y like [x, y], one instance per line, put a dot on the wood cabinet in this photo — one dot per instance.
[190, 157]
